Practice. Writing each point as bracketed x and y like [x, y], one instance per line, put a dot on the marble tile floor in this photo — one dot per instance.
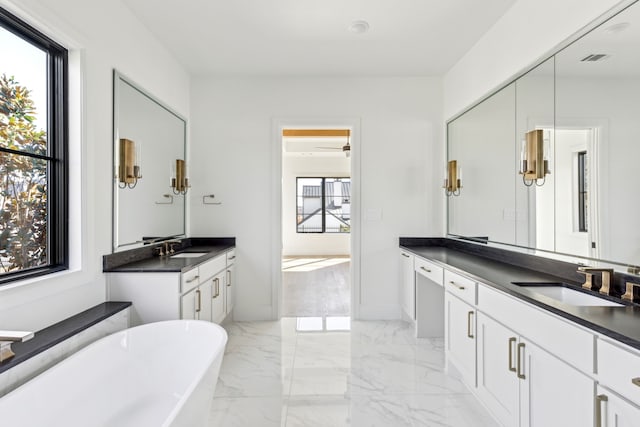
[377, 374]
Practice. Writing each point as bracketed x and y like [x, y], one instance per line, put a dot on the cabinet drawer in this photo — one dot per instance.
[212, 267]
[618, 368]
[231, 256]
[428, 270]
[460, 286]
[189, 280]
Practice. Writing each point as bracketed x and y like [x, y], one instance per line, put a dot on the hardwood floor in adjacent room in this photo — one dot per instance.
[316, 286]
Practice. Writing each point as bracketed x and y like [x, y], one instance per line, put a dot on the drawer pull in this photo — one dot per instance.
[469, 331]
[599, 399]
[636, 381]
[405, 255]
[512, 341]
[193, 279]
[456, 285]
[425, 269]
[520, 361]
[232, 258]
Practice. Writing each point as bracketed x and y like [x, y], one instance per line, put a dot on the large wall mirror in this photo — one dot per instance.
[148, 138]
[581, 109]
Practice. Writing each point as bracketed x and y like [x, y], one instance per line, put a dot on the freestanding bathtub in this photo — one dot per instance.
[158, 374]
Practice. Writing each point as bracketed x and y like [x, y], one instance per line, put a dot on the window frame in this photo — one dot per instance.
[582, 192]
[322, 204]
[57, 148]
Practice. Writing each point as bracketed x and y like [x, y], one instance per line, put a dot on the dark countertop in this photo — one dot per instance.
[144, 260]
[54, 334]
[619, 323]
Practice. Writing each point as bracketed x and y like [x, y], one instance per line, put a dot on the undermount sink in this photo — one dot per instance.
[189, 255]
[567, 295]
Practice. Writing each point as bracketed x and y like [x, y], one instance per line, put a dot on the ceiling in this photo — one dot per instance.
[313, 146]
[312, 38]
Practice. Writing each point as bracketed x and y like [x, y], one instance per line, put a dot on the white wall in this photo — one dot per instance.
[310, 243]
[401, 141]
[529, 30]
[102, 36]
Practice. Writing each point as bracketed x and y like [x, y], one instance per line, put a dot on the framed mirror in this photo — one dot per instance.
[582, 104]
[148, 139]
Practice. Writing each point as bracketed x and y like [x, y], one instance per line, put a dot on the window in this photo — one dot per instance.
[33, 144]
[323, 205]
[583, 199]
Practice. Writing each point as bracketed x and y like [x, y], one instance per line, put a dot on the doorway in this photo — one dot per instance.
[316, 223]
[567, 214]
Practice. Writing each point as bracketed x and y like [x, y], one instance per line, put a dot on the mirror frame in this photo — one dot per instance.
[584, 31]
[118, 78]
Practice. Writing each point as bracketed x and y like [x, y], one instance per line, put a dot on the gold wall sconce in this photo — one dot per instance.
[453, 179]
[129, 171]
[534, 165]
[179, 180]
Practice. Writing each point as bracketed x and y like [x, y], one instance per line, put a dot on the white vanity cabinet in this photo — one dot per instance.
[407, 284]
[460, 337]
[618, 395]
[199, 293]
[522, 383]
[230, 280]
[196, 303]
[613, 410]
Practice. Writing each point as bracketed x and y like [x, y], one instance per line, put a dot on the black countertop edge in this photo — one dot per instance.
[618, 323]
[566, 270]
[113, 262]
[55, 334]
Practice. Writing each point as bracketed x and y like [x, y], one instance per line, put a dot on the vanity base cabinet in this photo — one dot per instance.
[552, 393]
[615, 411]
[199, 293]
[524, 385]
[407, 285]
[196, 304]
[218, 297]
[460, 342]
[498, 383]
[154, 296]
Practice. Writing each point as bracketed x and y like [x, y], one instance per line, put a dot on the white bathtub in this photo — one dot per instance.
[159, 374]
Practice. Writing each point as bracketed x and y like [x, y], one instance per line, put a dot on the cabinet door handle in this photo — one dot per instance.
[425, 269]
[405, 255]
[192, 279]
[199, 301]
[228, 278]
[512, 341]
[636, 381]
[469, 332]
[217, 282]
[456, 285]
[520, 361]
[599, 399]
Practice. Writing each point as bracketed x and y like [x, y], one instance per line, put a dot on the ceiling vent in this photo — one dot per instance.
[594, 57]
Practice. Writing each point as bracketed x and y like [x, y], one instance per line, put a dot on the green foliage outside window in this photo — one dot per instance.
[23, 181]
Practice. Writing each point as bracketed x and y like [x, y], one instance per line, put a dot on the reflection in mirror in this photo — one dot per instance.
[145, 208]
[481, 141]
[535, 223]
[597, 128]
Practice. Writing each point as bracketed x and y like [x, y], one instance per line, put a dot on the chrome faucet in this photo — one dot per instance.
[9, 337]
[607, 278]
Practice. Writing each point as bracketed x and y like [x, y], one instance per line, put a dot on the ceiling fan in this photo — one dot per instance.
[346, 149]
